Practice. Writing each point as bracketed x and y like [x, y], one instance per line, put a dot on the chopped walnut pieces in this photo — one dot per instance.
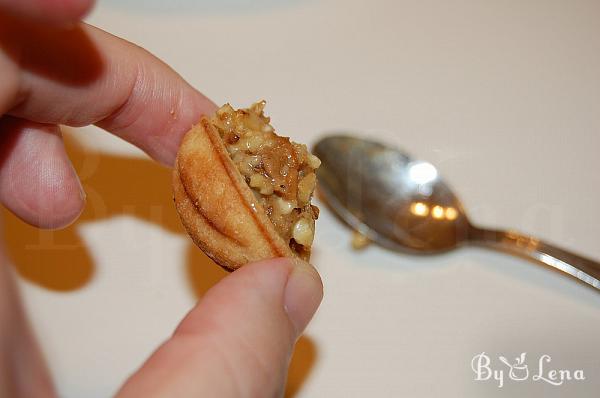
[281, 173]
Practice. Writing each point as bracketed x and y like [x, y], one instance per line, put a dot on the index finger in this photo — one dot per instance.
[83, 75]
[49, 11]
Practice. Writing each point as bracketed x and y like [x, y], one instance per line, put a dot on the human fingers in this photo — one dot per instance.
[37, 181]
[238, 340]
[83, 75]
[23, 371]
[48, 11]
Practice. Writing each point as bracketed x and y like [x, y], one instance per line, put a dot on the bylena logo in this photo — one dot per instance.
[519, 370]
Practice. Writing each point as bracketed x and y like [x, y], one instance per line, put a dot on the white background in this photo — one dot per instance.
[504, 97]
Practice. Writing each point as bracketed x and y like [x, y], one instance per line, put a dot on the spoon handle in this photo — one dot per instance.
[584, 269]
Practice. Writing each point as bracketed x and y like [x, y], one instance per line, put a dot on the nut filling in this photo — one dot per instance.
[280, 173]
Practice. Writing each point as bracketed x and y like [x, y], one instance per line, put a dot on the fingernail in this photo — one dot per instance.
[303, 294]
[82, 194]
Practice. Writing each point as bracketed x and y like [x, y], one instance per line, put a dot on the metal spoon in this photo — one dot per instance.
[403, 204]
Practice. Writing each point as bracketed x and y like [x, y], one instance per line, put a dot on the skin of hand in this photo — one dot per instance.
[55, 70]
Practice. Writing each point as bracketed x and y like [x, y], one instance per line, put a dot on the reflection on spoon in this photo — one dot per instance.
[404, 205]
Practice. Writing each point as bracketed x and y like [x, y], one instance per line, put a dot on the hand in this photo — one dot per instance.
[54, 70]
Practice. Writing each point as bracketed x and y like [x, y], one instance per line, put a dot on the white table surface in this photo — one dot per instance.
[504, 97]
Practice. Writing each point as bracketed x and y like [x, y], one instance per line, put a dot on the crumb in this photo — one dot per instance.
[359, 241]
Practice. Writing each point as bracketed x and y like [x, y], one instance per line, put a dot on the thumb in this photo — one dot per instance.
[238, 340]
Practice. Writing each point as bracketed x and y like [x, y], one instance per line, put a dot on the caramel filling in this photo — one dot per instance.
[280, 173]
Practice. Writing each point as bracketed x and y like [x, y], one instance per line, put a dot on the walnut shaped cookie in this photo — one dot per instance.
[242, 192]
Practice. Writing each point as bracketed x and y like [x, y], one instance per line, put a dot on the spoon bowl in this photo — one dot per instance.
[389, 197]
[403, 204]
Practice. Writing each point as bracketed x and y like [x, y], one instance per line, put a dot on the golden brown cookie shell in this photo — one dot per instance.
[217, 207]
